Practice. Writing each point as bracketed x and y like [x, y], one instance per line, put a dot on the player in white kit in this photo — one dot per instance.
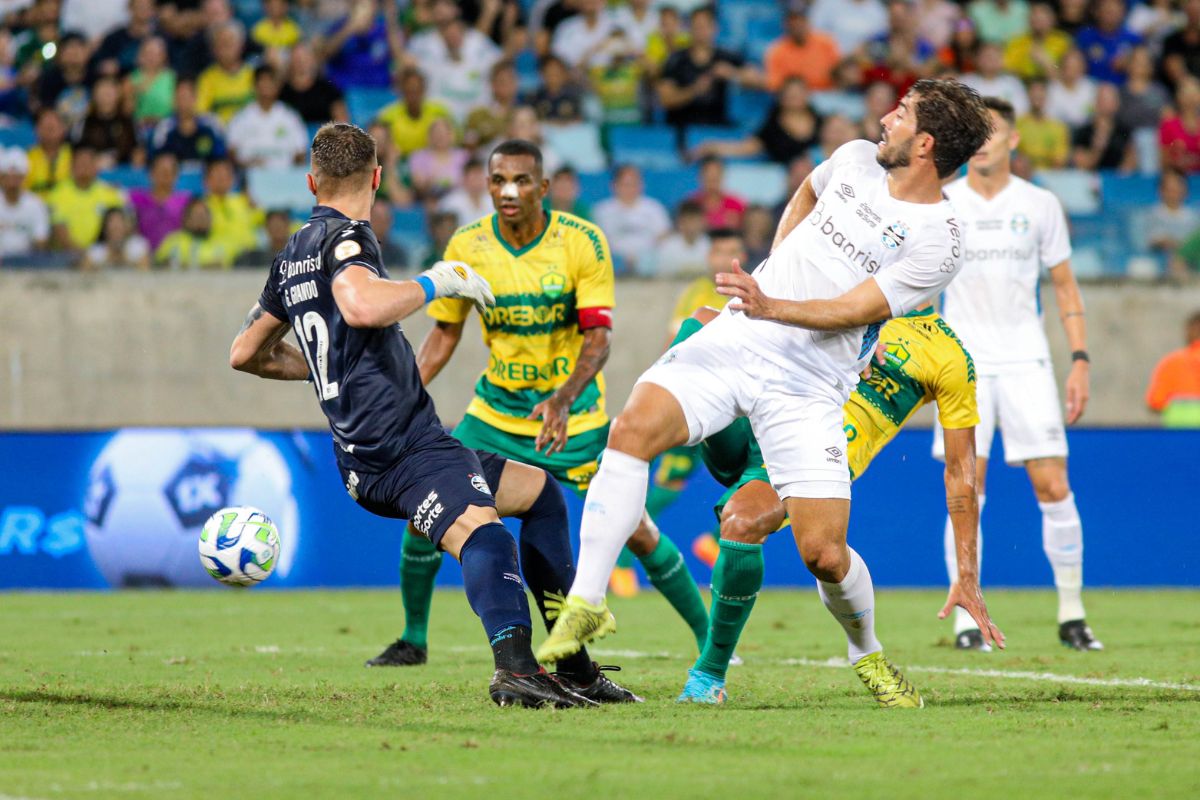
[867, 237]
[1014, 230]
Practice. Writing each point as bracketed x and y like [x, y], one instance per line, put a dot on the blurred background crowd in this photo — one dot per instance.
[172, 134]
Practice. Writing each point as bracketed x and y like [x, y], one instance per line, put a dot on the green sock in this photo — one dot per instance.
[419, 565]
[670, 576]
[737, 577]
[626, 559]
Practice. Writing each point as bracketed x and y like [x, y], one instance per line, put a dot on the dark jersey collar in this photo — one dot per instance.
[326, 211]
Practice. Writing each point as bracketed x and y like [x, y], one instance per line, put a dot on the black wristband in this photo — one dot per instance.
[1080, 355]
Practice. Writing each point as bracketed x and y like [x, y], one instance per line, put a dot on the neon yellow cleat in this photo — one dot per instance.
[890, 688]
[578, 623]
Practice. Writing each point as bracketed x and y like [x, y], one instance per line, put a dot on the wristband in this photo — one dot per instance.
[1080, 355]
[426, 283]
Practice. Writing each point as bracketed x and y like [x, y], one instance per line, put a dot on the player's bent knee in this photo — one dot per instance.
[1049, 479]
[827, 561]
[645, 538]
[470, 520]
[750, 528]
[520, 486]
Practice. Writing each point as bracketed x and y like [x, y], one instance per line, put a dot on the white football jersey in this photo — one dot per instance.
[856, 231]
[994, 305]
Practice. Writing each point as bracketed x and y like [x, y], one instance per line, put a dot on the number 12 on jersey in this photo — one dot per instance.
[313, 332]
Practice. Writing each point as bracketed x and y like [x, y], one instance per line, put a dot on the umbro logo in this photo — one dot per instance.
[844, 193]
[834, 451]
[847, 190]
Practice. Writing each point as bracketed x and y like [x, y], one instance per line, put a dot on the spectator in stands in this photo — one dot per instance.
[1180, 55]
[725, 246]
[582, 41]
[276, 33]
[470, 199]
[267, 133]
[721, 208]
[1171, 221]
[683, 251]
[159, 208]
[666, 40]
[457, 60]
[278, 227]
[617, 85]
[1103, 142]
[107, 129]
[50, 157]
[118, 51]
[409, 118]
[228, 85]
[359, 48]
[557, 97]
[486, 122]
[564, 194]
[1072, 95]
[878, 101]
[1179, 134]
[900, 56]
[150, 89]
[836, 130]
[1154, 20]
[1044, 141]
[851, 23]
[758, 234]
[990, 79]
[639, 21]
[64, 82]
[24, 220]
[502, 21]
[789, 131]
[77, 205]
[1107, 44]
[998, 21]
[1037, 53]
[308, 93]
[395, 257]
[391, 183]
[188, 29]
[936, 21]
[234, 219]
[1074, 16]
[959, 55]
[194, 246]
[442, 225]
[437, 168]
[525, 125]
[1142, 98]
[695, 82]
[92, 18]
[1174, 390]
[118, 245]
[191, 138]
[633, 222]
[801, 53]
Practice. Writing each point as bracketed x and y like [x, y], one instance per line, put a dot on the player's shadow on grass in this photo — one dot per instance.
[116, 703]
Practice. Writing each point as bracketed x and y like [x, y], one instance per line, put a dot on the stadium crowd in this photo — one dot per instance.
[171, 134]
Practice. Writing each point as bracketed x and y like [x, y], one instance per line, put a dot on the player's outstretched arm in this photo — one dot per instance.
[799, 207]
[260, 350]
[861, 305]
[369, 301]
[436, 348]
[1070, 311]
[962, 501]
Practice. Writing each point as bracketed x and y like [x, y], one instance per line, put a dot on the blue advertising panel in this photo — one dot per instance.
[124, 508]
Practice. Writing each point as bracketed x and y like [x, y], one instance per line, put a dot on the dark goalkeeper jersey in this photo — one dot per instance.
[366, 379]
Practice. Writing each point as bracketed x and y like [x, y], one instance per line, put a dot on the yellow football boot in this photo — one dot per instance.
[578, 622]
[884, 681]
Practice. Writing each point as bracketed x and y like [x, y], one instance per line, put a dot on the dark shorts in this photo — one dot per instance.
[430, 486]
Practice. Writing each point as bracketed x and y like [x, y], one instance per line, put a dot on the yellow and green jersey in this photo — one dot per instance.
[925, 362]
[533, 332]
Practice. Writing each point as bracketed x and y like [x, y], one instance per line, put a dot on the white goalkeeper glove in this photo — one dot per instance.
[456, 279]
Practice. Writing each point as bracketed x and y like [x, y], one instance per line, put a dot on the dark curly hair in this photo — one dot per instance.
[957, 119]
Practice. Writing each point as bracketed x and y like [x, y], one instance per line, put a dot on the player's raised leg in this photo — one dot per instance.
[652, 422]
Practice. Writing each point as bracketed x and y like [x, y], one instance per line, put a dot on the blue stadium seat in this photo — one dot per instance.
[697, 134]
[364, 104]
[828, 103]
[409, 228]
[647, 146]
[760, 33]
[1127, 191]
[594, 186]
[527, 70]
[19, 134]
[283, 188]
[577, 144]
[737, 19]
[749, 109]
[765, 184]
[191, 181]
[126, 177]
[670, 186]
[1078, 191]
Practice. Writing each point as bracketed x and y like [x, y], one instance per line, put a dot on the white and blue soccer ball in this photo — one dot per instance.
[151, 490]
[239, 546]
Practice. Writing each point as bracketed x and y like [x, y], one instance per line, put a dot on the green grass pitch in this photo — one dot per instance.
[263, 695]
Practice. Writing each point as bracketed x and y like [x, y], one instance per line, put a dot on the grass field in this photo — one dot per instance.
[259, 694]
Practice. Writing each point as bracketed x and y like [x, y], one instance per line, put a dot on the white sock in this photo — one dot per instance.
[611, 512]
[962, 620]
[852, 603]
[1062, 539]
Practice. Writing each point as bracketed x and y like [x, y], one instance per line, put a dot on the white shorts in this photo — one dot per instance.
[1024, 403]
[716, 379]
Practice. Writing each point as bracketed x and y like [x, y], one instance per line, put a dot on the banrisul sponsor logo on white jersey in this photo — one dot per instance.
[894, 235]
[828, 226]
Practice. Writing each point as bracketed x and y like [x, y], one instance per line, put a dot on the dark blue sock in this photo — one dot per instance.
[549, 565]
[497, 595]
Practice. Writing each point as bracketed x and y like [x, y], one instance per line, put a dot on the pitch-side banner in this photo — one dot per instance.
[124, 509]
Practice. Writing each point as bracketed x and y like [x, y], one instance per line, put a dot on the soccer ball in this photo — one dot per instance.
[151, 489]
[239, 546]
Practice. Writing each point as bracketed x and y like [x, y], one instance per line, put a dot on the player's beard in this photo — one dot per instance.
[895, 155]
